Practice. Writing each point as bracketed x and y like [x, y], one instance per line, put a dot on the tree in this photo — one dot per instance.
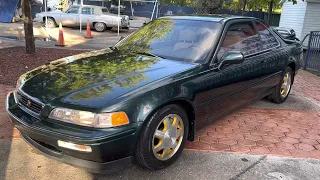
[272, 3]
[257, 5]
[244, 5]
[210, 6]
[294, 1]
[270, 11]
[28, 26]
[178, 2]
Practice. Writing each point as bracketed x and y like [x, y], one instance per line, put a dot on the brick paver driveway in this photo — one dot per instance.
[285, 132]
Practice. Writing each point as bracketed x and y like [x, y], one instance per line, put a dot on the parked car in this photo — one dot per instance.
[99, 17]
[146, 96]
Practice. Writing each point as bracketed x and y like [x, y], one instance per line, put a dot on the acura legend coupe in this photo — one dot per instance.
[143, 98]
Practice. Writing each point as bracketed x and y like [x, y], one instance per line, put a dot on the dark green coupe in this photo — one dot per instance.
[143, 98]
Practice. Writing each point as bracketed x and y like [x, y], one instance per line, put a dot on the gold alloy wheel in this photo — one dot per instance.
[168, 137]
[286, 85]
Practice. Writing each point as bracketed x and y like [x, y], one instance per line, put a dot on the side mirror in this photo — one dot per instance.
[231, 57]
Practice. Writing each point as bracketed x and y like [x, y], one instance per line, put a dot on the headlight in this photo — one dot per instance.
[90, 119]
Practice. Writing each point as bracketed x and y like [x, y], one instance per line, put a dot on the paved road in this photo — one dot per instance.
[72, 37]
[25, 163]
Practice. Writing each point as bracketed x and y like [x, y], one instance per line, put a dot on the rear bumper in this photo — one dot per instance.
[111, 151]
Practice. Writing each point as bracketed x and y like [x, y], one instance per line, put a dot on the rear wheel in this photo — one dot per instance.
[282, 90]
[163, 138]
[100, 26]
[51, 23]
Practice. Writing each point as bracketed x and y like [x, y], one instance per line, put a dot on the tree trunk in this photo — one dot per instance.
[244, 7]
[270, 12]
[28, 26]
[261, 14]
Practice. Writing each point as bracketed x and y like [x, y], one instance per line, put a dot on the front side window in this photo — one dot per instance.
[240, 37]
[73, 10]
[268, 40]
[86, 11]
[176, 39]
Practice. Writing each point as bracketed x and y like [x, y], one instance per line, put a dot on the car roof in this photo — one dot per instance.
[92, 6]
[208, 17]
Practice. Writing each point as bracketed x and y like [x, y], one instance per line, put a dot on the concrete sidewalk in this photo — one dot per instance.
[19, 161]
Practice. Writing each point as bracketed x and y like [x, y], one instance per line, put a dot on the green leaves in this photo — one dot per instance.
[294, 1]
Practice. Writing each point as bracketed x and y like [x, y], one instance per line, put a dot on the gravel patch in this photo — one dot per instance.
[14, 61]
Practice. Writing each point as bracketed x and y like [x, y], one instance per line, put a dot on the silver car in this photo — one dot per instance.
[99, 17]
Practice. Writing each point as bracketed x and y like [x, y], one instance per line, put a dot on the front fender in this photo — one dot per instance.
[140, 104]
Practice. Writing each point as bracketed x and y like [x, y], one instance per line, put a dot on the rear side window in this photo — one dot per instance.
[242, 37]
[267, 39]
[86, 10]
[73, 10]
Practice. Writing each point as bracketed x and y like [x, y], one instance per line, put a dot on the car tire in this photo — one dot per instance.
[100, 26]
[51, 23]
[282, 90]
[148, 151]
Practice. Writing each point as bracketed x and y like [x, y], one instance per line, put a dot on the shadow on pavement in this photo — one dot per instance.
[6, 132]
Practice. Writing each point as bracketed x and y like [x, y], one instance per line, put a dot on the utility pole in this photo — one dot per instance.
[119, 19]
[80, 15]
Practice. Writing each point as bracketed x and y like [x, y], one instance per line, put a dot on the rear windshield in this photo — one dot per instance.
[105, 10]
[183, 40]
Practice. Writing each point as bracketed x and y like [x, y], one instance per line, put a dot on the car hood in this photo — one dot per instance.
[95, 78]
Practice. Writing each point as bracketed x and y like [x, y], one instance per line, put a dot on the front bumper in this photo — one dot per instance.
[90, 166]
[112, 149]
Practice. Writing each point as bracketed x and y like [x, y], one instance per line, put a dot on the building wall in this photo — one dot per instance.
[293, 16]
[311, 20]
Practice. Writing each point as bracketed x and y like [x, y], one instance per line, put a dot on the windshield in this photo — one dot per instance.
[183, 40]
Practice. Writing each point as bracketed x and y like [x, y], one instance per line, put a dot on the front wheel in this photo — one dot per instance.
[282, 90]
[163, 138]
